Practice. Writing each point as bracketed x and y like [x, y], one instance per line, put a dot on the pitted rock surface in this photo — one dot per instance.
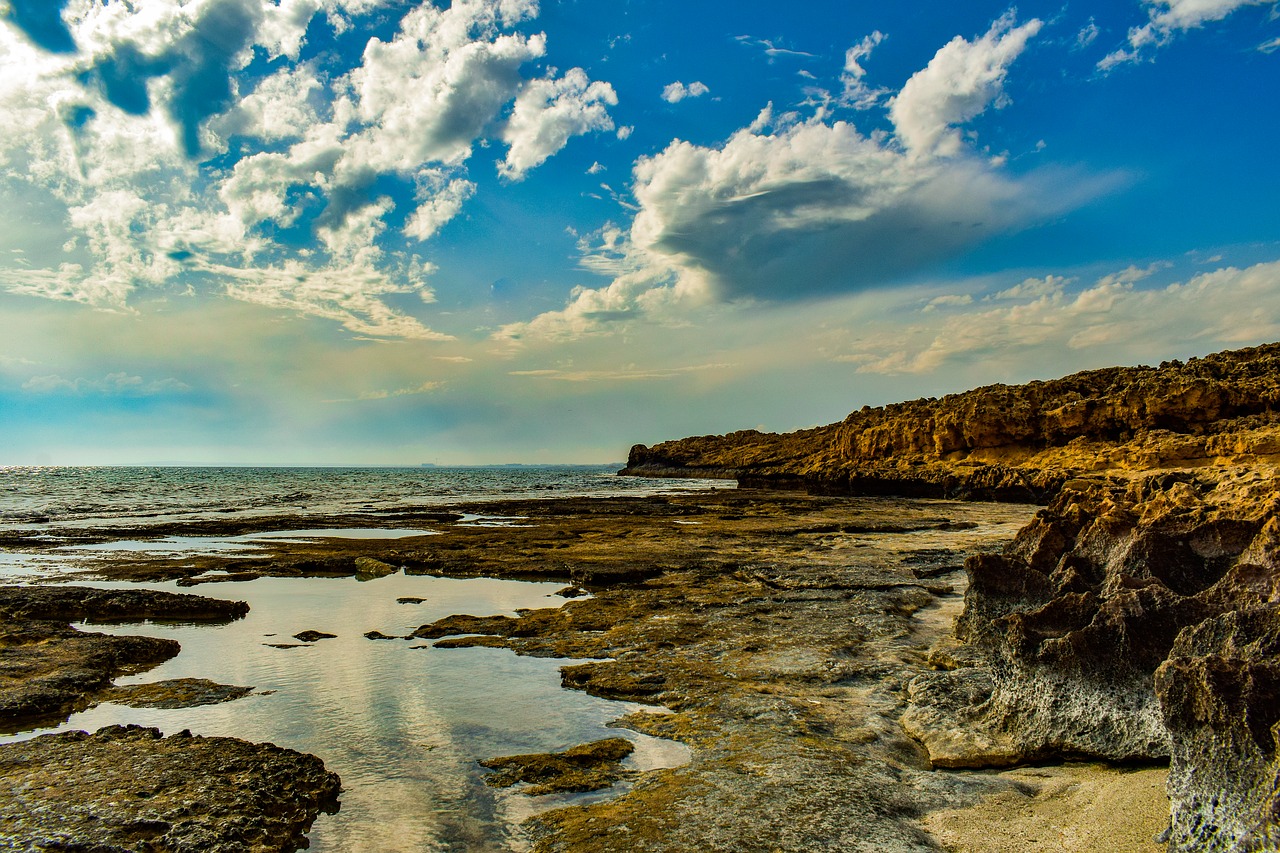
[130, 789]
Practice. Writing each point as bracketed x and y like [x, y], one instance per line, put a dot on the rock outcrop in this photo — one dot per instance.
[1137, 618]
[1220, 691]
[129, 788]
[1011, 442]
[1080, 610]
[49, 669]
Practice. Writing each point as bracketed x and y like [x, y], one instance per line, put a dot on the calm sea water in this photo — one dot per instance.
[103, 496]
[402, 723]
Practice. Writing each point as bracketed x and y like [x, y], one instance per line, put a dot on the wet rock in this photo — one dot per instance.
[312, 636]
[79, 603]
[463, 624]
[129, 788]
[378, 635]
[367, 569]
[49, 669]
[588, 767]
[472, 642]
[409, 599]
[174, 693]
[1220, 692]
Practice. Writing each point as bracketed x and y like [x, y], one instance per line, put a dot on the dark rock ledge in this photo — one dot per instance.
[129, 788]
[49, 669]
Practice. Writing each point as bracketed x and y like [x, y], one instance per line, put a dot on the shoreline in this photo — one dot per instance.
[780, 629]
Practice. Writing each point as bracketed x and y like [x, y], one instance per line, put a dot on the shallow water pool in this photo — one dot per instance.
[402, 723]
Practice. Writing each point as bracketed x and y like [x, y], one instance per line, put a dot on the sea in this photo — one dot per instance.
[49, 497]
[403, 723]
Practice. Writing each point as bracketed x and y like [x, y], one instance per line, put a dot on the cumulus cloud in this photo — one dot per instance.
[1223, 308]
[548, 113]
[167, 159]
[674, 93]
[1167, 18]
[962, 80]
[789, 209]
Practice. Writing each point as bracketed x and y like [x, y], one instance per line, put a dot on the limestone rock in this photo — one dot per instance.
[1220, 691]
[367, 569]
[129, 788]
[49, 669]
[1080, 610]
[1010, 442]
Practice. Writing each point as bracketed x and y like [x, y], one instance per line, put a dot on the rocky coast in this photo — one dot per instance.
[1136, 618]
[1042, 617]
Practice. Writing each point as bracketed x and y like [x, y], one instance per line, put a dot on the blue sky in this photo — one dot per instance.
[380, 231]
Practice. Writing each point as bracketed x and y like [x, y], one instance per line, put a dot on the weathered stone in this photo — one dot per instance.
[1220, 691]
[49, 669]
[1010, 442]
[174, 693]
[88, 604]
[368, 568]
[588, 767]
[129, 788]
[311, 636]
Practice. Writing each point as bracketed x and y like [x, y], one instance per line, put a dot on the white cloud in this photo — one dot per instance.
[949, 300]
[1167, 18]
[113, 138]
[411, 391]
[1270, 46]
[278, 109]
[675, 92]
[788, 209]
[857, 93]
[630, 373]
[350, 295]
[1228, 307]
[1035, 288]
[548, 113]
[1088, 34]
[442, 199]
[960, 82]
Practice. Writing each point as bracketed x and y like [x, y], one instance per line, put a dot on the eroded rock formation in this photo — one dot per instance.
[1137, 618]
[128, 788]
[1011, 442]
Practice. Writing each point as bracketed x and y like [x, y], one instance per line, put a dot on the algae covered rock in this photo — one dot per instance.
[588, 767]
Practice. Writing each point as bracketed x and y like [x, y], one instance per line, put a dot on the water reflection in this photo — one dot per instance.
[402, 723]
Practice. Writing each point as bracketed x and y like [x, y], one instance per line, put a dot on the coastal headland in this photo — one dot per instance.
[972, 623]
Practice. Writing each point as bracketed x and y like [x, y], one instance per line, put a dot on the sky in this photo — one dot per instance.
[379, 232]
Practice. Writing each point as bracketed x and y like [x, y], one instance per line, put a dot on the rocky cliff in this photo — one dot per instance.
[1011, 442]
[1137, 618]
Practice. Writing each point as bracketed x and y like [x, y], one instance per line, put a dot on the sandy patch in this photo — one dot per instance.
[1073, 808]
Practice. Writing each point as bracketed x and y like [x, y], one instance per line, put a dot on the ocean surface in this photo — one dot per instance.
[107, 496]
[402, 723]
